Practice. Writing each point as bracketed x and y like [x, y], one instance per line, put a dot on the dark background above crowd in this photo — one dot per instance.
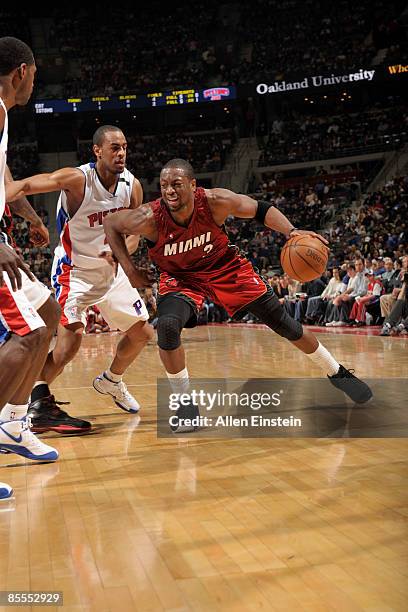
[81, 52]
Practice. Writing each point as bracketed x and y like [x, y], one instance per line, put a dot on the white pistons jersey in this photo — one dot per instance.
[82, 237]
[3, 159]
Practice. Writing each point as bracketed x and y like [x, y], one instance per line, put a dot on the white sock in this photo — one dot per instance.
[113, 377]
[179, 382]
[40, 382]
[13, 412]
[325, 360]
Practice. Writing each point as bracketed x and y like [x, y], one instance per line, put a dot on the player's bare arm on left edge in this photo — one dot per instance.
[231, 203]
[124, 223]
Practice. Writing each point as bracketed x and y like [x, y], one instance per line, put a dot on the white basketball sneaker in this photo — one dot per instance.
[118, 391]
[5, 491]
[16, 437]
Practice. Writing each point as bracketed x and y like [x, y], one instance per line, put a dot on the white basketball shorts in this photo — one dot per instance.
[77, 288]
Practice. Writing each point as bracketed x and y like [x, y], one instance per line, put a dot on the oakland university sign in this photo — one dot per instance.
[316, 81]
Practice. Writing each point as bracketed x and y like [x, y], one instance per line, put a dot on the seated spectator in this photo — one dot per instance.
[388, 275]
[359, 310]
[397, 321]
[310, 290]
[282, 288]
[290, 300]
[394, 284]
[356, 287]
[316, 306]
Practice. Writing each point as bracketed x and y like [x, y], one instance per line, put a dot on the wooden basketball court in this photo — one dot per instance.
[126, 521]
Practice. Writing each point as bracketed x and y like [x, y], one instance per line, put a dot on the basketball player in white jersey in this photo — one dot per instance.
[82, 277]
[24, 338]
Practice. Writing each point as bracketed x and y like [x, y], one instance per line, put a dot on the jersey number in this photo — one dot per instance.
[207, 249]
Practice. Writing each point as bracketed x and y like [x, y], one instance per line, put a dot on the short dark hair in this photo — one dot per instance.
[181, 164]
[99, 135]
[13, 53]
[351, 267]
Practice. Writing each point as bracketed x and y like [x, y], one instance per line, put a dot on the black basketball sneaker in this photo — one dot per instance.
[46, 415]
[356, 389]
[182, 421]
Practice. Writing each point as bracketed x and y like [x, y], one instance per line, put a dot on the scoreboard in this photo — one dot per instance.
[176, 97]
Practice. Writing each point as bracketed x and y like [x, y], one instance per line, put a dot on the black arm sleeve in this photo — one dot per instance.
[262, 209]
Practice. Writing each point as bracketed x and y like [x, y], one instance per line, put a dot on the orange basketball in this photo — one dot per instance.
[304, 258]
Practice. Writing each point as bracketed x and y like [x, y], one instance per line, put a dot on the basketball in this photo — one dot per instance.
[304, 258]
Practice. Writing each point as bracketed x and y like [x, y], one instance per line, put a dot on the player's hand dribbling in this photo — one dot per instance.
[297, 232]
[11, 263]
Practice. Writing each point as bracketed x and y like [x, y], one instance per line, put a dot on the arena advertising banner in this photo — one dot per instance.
[319, 81]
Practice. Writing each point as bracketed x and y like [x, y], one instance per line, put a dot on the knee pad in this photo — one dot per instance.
[271, 312]
[168, 332]
[288, 328]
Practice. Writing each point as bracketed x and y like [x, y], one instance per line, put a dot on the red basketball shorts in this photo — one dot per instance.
[234, 285]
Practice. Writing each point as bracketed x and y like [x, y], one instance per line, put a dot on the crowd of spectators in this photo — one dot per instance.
[304, 138]
[153, 48]
[324, 37]
[353, 295]
[377, 229]
[147, 154]
[207, 46]
[136, 51]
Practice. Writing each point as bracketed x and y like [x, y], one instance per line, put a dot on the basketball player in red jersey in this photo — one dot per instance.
[189, 244]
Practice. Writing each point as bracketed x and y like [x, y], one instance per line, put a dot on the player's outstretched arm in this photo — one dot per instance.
[228, 202]
[65, 178]
[123, 223]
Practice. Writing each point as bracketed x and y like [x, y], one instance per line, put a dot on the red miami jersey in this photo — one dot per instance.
[201, 247]
[198, 261]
